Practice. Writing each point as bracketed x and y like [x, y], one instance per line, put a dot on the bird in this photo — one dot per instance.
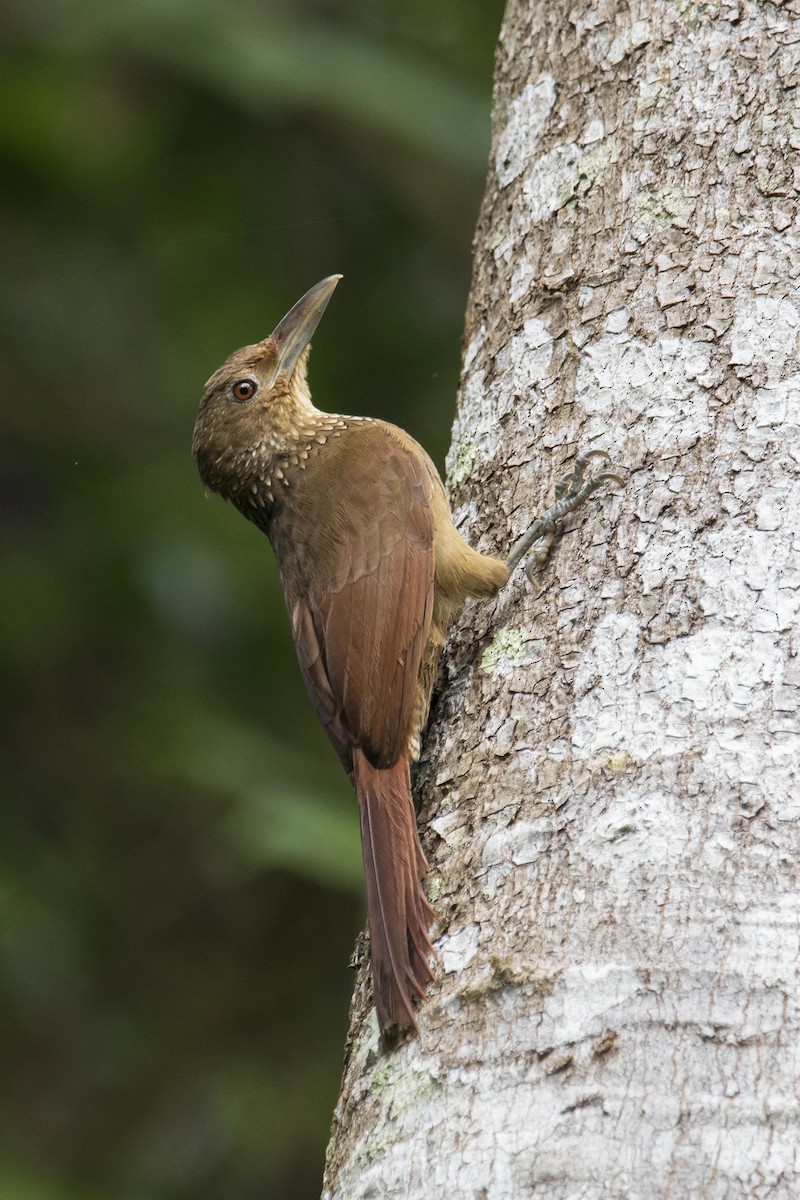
[373, 571]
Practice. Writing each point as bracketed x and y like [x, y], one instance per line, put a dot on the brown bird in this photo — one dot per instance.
[373, 572]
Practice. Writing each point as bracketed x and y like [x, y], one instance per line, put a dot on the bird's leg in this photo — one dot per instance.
[571, 491]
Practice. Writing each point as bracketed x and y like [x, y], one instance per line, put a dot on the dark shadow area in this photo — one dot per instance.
[180, 877]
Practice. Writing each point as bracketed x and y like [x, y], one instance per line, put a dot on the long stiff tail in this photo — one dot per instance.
[398, 911]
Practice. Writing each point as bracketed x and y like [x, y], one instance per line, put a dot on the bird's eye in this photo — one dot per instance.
[244, 390]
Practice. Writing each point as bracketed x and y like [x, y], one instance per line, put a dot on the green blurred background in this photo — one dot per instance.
[180, 879]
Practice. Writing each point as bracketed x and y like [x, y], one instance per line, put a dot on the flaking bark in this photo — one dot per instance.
[609, 791]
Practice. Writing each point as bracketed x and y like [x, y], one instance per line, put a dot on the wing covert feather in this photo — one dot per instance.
[361, 594]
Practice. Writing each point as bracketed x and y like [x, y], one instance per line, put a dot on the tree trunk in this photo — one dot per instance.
[609, 793]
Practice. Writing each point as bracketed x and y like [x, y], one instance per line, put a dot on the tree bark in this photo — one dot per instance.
[609, 792]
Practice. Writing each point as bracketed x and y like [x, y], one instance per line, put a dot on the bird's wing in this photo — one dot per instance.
[361, 593]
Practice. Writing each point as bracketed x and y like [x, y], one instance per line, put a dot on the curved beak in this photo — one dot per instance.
[297, 328]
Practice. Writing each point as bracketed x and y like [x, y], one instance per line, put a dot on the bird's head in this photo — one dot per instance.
[256, 404]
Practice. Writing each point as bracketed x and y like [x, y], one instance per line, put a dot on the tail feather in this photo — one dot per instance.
[399, 913]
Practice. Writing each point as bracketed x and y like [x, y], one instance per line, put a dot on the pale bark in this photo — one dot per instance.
[610, 797]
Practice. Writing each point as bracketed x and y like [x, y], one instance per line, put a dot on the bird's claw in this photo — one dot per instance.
[570, 492]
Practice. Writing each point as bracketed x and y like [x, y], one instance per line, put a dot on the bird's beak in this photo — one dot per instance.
[297, 328]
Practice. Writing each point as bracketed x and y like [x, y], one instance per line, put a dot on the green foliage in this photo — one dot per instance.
[180, 880]
[282, 816]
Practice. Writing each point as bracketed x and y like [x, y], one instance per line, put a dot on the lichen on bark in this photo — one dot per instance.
[609, 785]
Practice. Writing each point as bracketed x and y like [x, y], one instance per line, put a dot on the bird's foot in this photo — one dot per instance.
[570, 491]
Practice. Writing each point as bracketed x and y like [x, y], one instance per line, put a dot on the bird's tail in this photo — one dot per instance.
[398, 911]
